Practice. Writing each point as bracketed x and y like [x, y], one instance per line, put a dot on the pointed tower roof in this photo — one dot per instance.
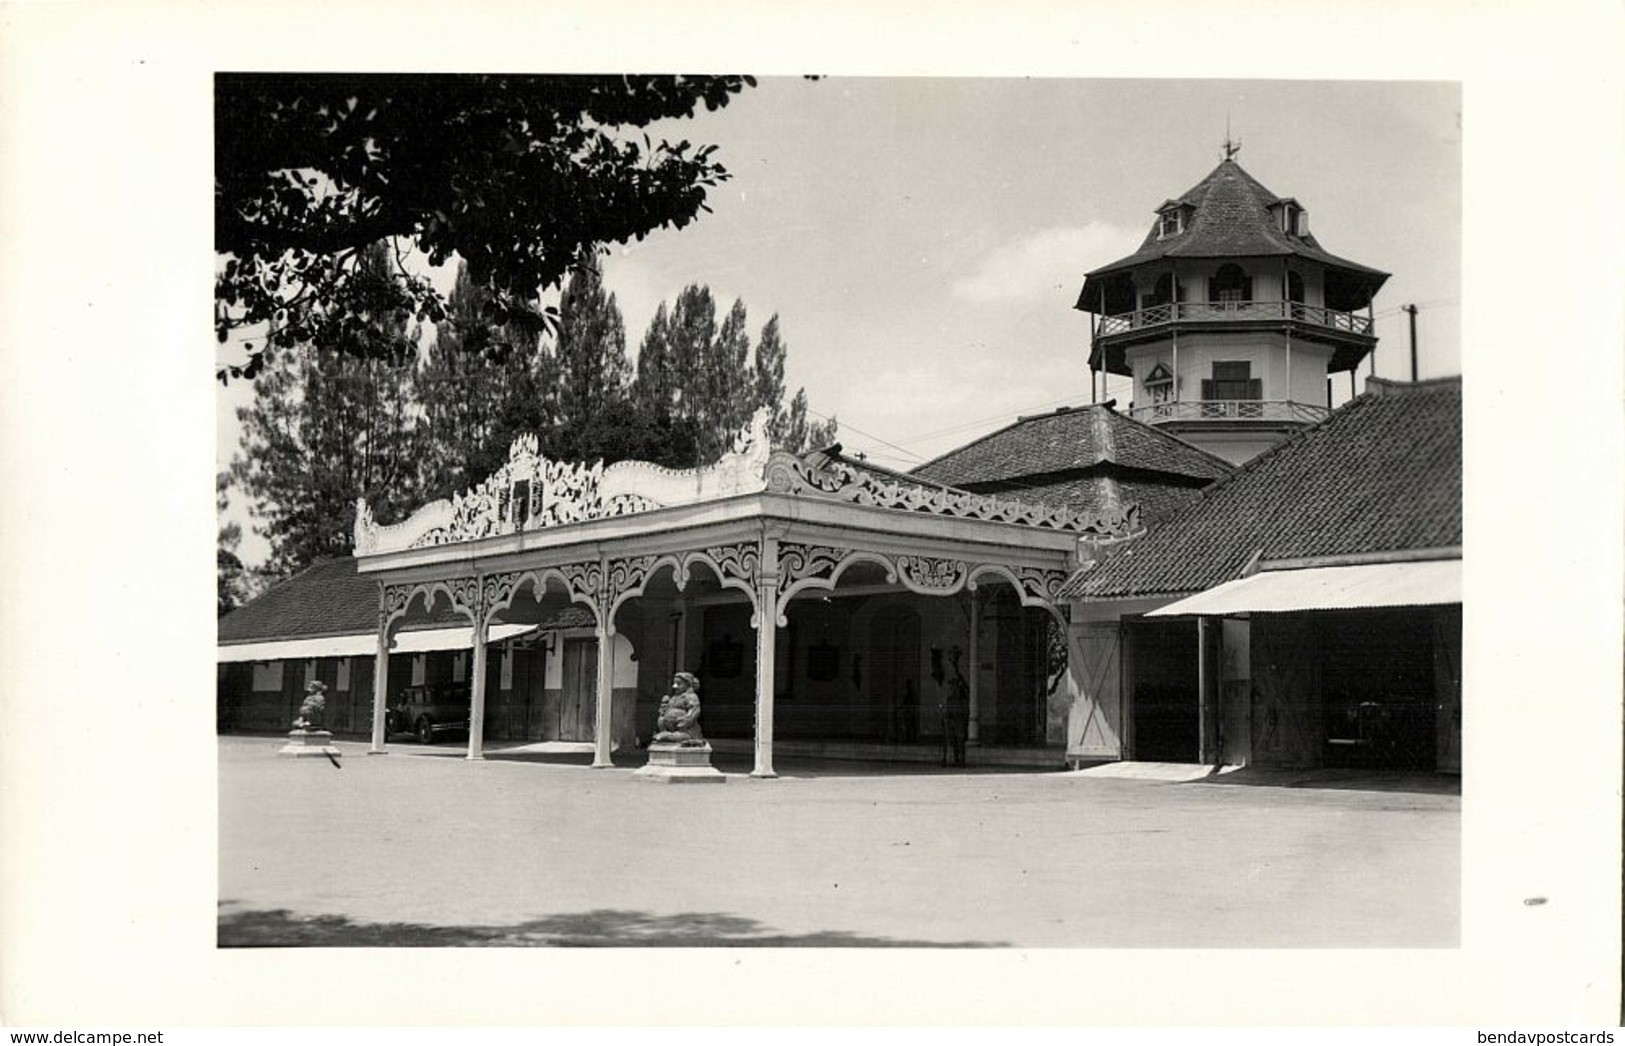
[1227, 215]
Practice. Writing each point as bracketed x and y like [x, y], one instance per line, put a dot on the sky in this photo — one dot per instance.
[923, 240]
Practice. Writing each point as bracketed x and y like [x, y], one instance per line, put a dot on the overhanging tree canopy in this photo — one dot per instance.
[523, 177]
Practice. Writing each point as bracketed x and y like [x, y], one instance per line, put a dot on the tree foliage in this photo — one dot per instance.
[477, 387]
[231, 575]
[327, 425]
[705, 377]
[523, 177]
[587, 368]
[330, 424]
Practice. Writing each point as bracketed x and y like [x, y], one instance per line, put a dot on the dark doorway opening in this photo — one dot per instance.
[1378, 688]
[1163, 680]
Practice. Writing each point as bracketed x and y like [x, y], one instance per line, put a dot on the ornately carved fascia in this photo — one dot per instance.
[625, 575]
[740, 561]
[586, 580]
[465, 594]
[1041, 583]
[394, 601]
[798, 562]
[929, 572]
[498, 589]
[790, 474]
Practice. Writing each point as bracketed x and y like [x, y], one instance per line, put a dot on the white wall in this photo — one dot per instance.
[1266, 351]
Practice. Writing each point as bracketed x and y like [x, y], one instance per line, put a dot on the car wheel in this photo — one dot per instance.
[425, 735]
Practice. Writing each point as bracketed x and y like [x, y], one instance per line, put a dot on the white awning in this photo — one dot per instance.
[1423, 583]
[365, 644]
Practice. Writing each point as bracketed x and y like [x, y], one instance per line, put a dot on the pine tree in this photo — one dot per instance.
[587, 369]
[701, 380]
[478, 388]
[789, 427]
[653, 390]
[328, 425]
[231, 586]
[729, 399]
[692, 330]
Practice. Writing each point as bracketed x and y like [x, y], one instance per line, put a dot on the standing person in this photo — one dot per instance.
[955, 709]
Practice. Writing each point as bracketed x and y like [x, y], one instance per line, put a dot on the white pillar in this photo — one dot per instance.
[973, 730]
[606, 695]
[380, 690]
[476, 708]
[767, 634]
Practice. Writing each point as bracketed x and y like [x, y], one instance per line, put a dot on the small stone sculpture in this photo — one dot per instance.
[678, 721]
[315, 704]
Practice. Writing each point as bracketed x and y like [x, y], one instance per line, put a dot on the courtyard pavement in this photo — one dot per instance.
[422, 847]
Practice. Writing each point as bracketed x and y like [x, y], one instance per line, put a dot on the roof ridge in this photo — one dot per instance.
[1021, 419]
[1105, 437]
[1177, 438]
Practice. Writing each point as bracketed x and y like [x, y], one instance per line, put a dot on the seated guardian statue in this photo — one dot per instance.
[678, 721]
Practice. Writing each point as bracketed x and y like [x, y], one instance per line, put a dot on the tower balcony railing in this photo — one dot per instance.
[1289, 411]
[1233, 311]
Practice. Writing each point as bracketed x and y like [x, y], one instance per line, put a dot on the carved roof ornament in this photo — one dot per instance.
[789, 474]
[531, 492]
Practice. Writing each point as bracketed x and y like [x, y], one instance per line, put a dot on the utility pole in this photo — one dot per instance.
[1412, 310]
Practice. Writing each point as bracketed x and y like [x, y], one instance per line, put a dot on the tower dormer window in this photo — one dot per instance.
[1172, 223]
[1294, 219]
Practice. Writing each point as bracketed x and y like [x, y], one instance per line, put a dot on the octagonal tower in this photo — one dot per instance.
[1230, 316]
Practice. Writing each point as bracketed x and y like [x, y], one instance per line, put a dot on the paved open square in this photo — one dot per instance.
[421, 847]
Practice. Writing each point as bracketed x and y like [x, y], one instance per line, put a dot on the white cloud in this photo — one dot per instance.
[1039, 265]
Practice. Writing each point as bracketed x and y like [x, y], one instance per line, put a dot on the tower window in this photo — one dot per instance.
[1230, 285]
[1232, 380]
[1159, 384]
[1173, 223]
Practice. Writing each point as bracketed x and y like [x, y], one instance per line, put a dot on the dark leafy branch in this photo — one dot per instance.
[525, 178]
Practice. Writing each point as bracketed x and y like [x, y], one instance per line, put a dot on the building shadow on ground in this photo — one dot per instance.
[1359, 780]
[599, 928]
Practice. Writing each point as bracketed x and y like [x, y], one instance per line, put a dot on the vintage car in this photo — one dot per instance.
[429, 711]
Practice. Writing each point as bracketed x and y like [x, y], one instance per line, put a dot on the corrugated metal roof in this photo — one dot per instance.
[1412, 584]
[365, 644]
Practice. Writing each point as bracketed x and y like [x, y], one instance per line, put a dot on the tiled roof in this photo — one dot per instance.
[330, 598]
[1229, 219]
[1381, 474]
[1070, 439]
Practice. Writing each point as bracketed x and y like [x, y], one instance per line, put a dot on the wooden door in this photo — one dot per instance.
[1095, 660]
[579, 702]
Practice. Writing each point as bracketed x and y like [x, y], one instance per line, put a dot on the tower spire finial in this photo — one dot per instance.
[1231, 148]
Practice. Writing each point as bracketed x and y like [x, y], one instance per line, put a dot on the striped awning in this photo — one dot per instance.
[365, 644]
[1367, 585]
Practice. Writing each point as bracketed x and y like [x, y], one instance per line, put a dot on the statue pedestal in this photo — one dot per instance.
[308, 743]
[679, 764]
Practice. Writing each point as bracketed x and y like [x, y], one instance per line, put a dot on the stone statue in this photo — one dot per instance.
[315, 704]
[678, 721]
